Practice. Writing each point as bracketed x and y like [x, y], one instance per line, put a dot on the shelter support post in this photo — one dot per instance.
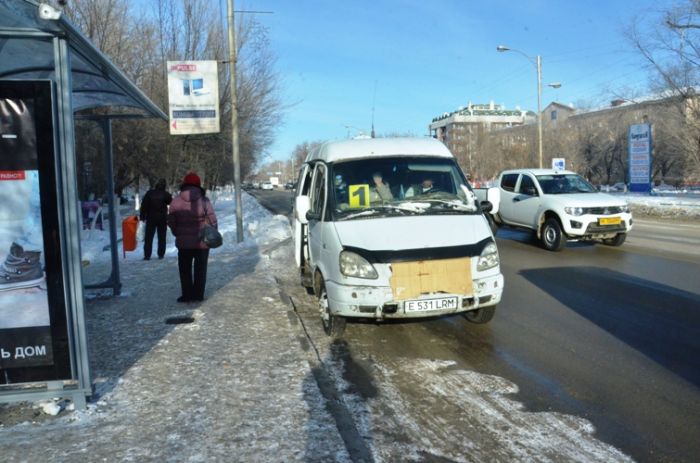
[114, 280]
[70, 223]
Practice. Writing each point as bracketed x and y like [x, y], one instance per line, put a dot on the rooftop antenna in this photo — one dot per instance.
[374, 98]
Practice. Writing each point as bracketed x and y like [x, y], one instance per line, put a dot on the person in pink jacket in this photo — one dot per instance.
[189, 212]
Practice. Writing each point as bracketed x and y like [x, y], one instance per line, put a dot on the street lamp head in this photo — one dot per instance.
[502, 48]
[554, 85]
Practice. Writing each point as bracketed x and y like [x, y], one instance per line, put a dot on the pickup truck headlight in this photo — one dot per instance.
[488, 258]
[575, 211]
[354, 265]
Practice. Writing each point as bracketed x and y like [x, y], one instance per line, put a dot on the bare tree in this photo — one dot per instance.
[670, 45]
[140, 42]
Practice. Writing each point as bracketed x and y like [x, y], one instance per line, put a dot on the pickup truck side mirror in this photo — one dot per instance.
[531, 191]
[302, 204]
[486, 206]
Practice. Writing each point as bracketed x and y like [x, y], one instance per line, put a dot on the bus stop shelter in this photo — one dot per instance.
[38, 44]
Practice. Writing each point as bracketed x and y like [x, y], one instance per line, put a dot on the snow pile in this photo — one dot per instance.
[676, 206]
[260, 228]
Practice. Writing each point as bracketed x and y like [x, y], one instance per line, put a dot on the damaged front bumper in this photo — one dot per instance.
[378, 302]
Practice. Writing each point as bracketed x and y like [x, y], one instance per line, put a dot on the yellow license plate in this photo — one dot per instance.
[610, 221]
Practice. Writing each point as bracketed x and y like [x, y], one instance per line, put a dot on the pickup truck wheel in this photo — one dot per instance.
[333, 325]
[617, 240]
[553, 238]
[482, 315]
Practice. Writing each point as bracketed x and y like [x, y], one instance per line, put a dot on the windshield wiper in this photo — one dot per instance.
[455, 205]
[385, 209]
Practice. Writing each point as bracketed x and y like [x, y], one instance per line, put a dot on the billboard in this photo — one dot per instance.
[639, 146]
[193, 94]
[34, 342]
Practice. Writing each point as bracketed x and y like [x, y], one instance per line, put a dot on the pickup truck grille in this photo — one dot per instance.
[594, 228]
[609, 210]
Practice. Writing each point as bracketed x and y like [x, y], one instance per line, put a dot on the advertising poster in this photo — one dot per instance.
[193, 94]
[29, 301]
[640, 157]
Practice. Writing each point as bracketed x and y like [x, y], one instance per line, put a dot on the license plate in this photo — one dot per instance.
[425, 305]
[609, 221]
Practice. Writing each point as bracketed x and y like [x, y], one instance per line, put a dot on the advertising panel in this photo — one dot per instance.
[639, 143]
[33, 330]
[193, 94]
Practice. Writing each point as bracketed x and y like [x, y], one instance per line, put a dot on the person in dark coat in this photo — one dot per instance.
[154, 210]
[189, 212]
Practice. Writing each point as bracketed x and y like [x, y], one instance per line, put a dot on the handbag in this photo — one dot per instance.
[209, 235]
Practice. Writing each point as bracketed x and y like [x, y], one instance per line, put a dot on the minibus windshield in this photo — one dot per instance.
[380, 187]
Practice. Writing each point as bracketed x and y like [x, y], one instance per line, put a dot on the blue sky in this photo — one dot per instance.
[429, 57]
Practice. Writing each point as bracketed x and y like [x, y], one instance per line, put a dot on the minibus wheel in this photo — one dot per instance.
[482, 315]
[333, 325]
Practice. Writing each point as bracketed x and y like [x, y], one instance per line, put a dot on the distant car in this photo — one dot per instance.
[289, 186]
[266, 186]
[618, 187]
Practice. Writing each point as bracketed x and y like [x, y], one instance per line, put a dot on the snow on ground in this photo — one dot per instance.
[677, 206]
[233, 385]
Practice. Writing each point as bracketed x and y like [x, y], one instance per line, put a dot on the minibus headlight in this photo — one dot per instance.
[354, 265]
[488, 258]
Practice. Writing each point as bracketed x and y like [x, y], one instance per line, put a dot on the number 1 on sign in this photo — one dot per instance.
[359, 195]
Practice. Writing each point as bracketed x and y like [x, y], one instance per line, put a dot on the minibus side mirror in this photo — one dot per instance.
[312, 216]
[302, 205]
[486, 206]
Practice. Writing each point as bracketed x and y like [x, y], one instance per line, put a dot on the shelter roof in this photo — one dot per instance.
[27, 53]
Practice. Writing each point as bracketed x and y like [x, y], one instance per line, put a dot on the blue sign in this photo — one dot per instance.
[639, 146]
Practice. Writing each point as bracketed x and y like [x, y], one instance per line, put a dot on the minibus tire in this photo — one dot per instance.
[333, 325]
[480, 316]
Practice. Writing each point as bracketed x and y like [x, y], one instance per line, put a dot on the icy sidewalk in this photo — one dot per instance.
[233, 385]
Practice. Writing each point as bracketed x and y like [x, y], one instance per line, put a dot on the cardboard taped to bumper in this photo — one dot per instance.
[410, 280]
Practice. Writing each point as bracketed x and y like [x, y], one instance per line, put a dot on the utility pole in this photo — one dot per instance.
[539, 108]
[234, 122]
[232, 52]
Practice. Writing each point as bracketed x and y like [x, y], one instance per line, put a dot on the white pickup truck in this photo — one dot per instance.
[559, 206]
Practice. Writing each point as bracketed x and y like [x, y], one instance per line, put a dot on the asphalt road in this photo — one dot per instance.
[608, 334]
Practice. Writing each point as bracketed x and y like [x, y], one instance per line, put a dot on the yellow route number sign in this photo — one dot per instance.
[358, 195]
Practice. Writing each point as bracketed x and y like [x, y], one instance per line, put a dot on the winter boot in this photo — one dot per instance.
[21, 269]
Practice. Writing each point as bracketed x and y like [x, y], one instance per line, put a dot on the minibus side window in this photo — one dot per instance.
[318, 190]
[304, 182]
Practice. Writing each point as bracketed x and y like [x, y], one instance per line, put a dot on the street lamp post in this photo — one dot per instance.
[537, 62]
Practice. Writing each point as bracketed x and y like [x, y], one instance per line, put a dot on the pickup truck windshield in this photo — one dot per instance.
[564, 183]
[394, 186]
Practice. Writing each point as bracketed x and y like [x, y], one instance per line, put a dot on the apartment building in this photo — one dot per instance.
[461, 130]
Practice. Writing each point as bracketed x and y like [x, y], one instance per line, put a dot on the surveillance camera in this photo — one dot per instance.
[48, 12]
